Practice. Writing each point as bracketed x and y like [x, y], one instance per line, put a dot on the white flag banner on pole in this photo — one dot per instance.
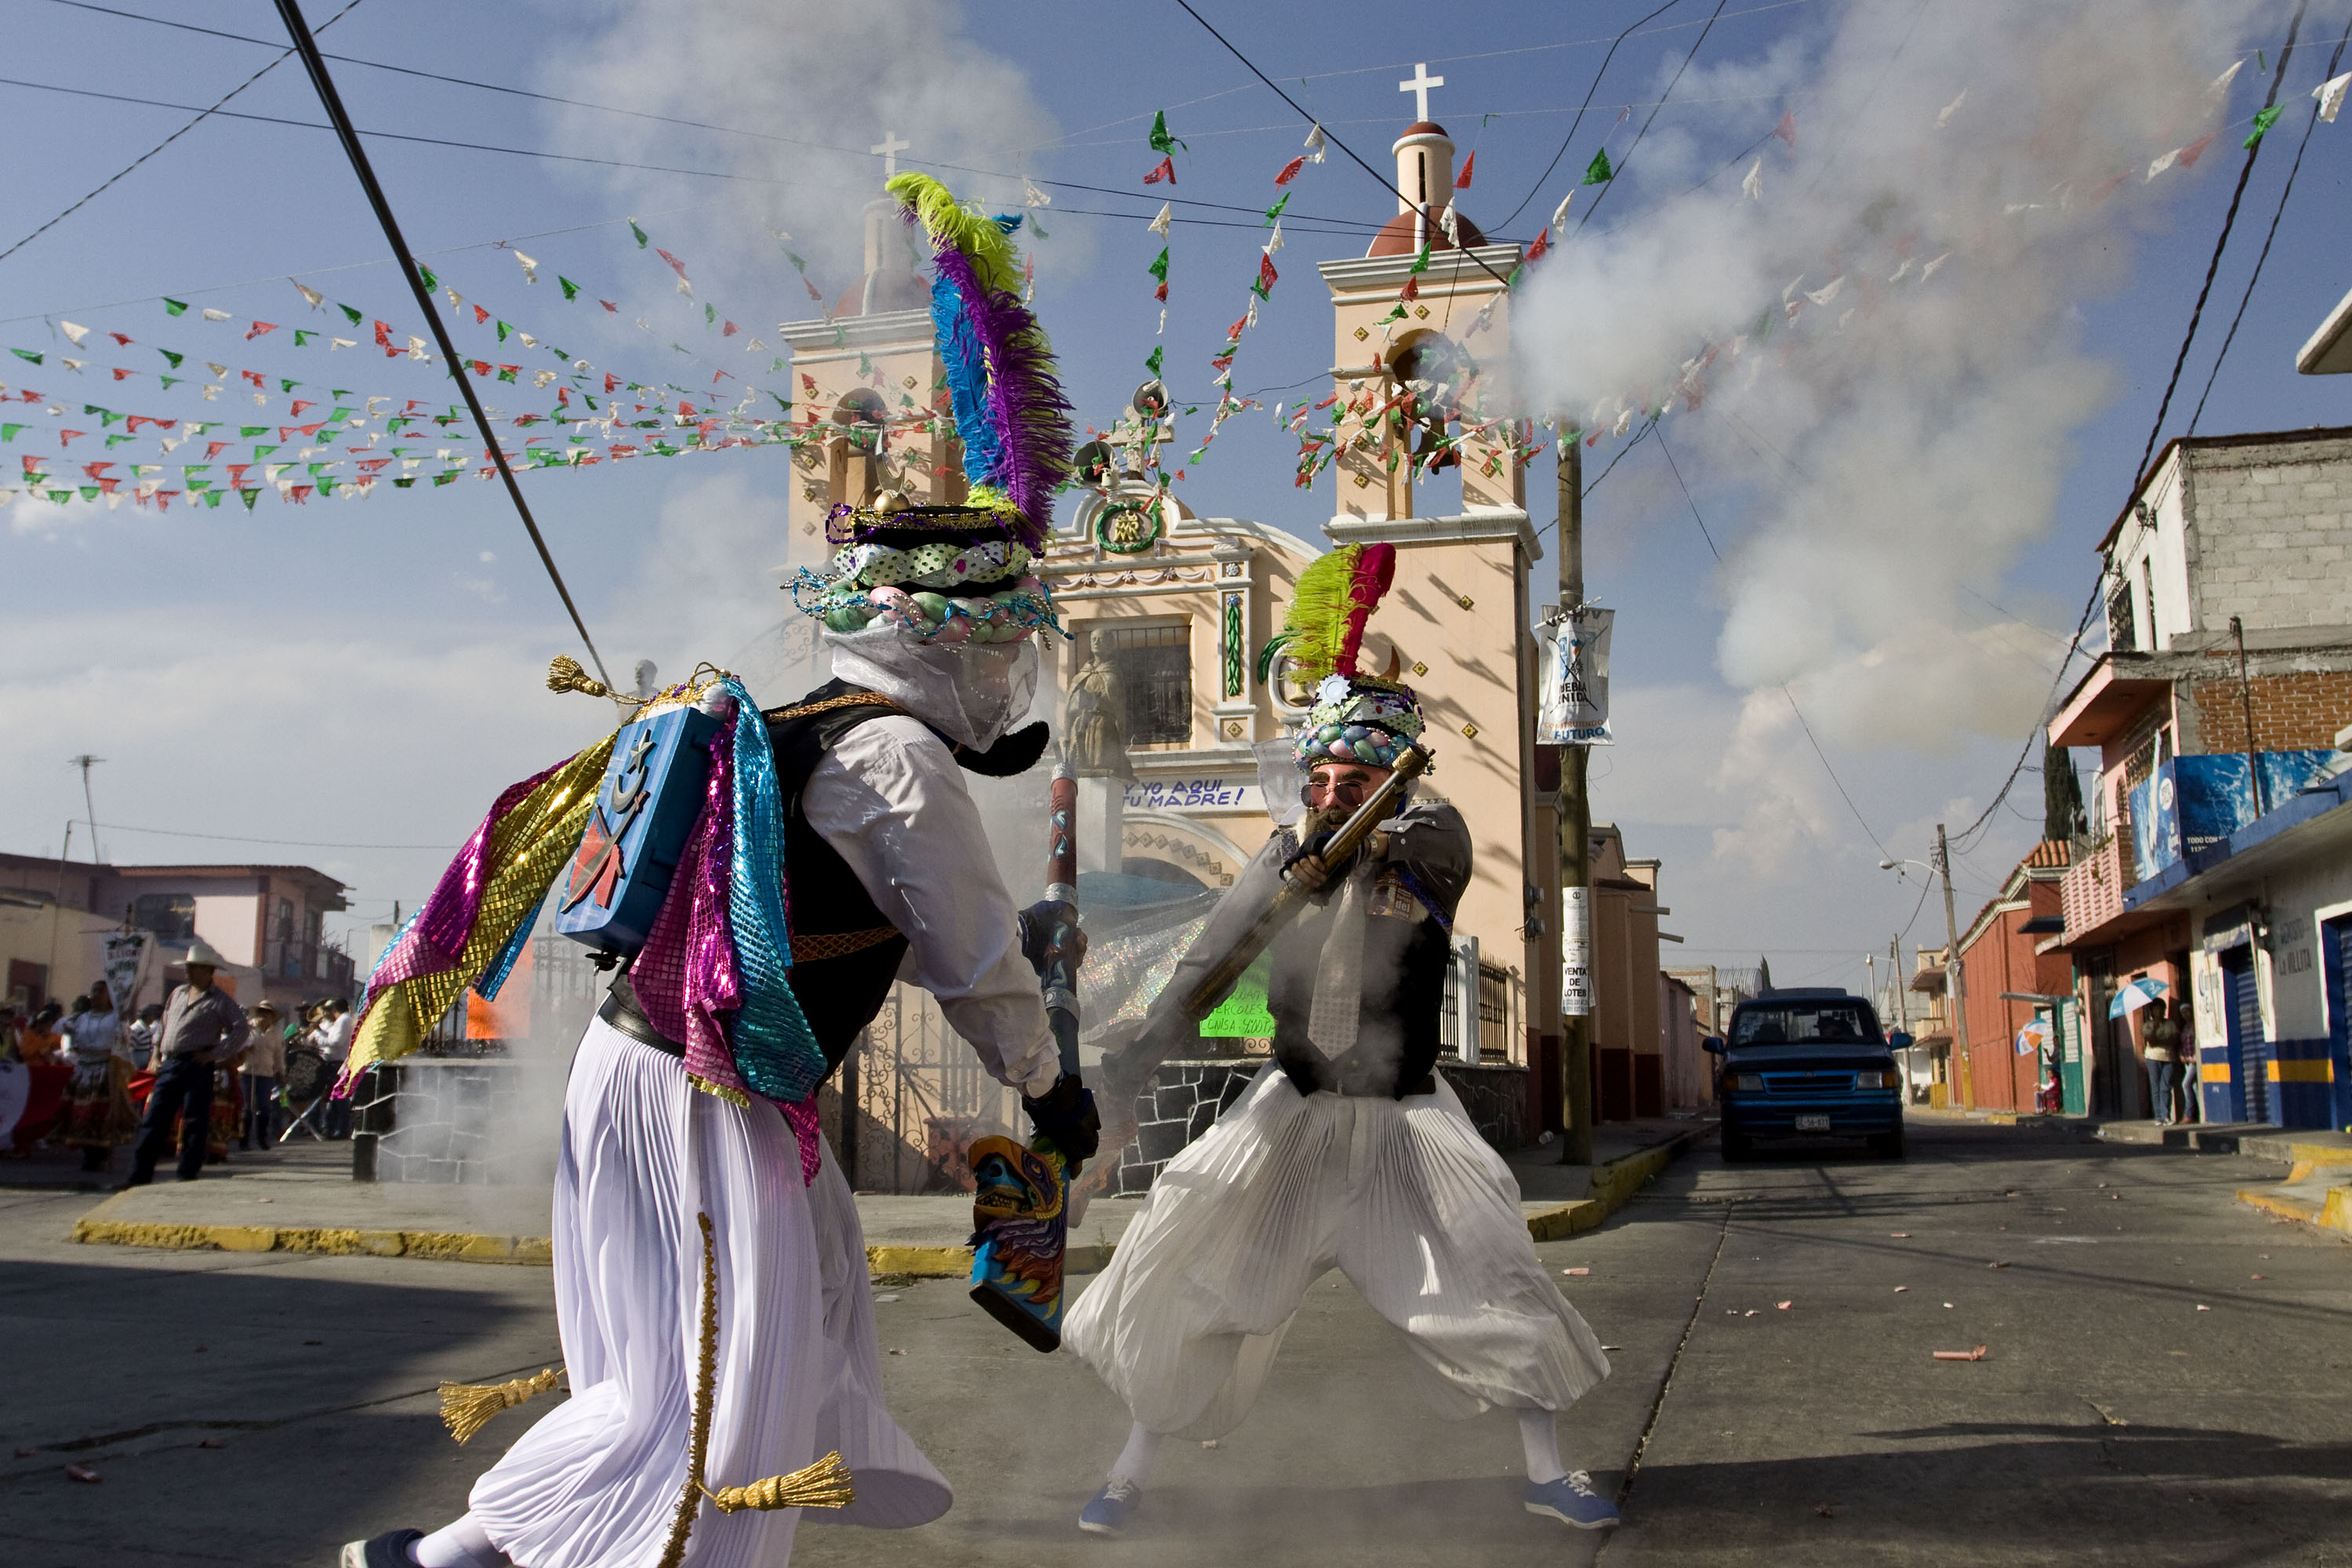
[1576, 697]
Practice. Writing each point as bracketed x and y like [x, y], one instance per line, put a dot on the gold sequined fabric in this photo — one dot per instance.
[527, 850]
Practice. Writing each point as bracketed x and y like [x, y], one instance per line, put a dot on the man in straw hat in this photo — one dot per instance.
[203, 1026]
[1348, 1151]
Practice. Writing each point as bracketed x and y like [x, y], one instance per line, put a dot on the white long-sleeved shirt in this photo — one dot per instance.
[892, 803]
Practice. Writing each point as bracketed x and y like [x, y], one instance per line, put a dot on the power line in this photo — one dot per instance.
[1802, 723]
[1602, 194]
[2229, 220]
[2287, 191]
[202, 115]
[291, 12]
[1590, 88]
[242, 838]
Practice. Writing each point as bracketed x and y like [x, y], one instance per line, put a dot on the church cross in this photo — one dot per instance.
[889, 147]
[1418, 87]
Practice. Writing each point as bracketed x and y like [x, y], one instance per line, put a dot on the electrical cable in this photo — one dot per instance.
[1639, 437]
[2229, 220]
[1592, 87]
[244, 838]
[290, 10]
[1611, 183]
[1802, 723]
[2296, 167]
[202, 115]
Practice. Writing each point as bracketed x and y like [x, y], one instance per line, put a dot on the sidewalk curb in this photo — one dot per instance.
[1613, 1184]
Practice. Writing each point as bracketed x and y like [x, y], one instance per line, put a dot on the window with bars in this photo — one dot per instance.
[1155, 666]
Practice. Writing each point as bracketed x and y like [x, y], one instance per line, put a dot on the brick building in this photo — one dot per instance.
[2007, 956]
[2230, 542]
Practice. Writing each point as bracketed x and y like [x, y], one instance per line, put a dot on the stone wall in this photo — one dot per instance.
[1186, 1097]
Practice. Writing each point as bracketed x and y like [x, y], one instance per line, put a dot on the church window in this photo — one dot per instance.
[1155, 666]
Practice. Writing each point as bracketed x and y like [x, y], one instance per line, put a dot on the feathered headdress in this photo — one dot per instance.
[1356, 717]
[1009, 412]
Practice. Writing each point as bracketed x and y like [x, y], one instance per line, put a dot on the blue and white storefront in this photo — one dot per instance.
[2269, 899]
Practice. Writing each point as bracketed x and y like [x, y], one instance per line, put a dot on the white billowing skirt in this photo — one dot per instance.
[1402, 1196]
[595, 1483]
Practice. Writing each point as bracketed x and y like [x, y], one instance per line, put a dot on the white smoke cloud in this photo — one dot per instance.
[1883, 335]
[827, 80]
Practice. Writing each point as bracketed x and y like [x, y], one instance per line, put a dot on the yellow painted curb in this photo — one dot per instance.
[459, 1246]
[2336, 1214]
[1613, 1184]
[2272, 1203]
[955, 1262]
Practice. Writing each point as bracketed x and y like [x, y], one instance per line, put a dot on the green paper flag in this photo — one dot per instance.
[261, 452]
[431, 282]
[709, 315]
[176, 307]
[1158, 267]
[170, 380]
[1274, 211]
[1160, 141]
[403, 484]
[798, 265]
[865, 364]
[638, 232]
[503, 331]
[286, 385]
[355, 317]
[248, 497]
[2263, 122]
[8, 432]
[507, 374]
[1420, 262]
[247, 432]
[175, 359]
[302, 339]
[114, 441]
[212, 498]
[27, 354]
[90, 492]
[1152, 361]
[571, 290]
[1598, 172]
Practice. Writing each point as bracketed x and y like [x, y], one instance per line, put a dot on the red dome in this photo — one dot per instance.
[1396, 238]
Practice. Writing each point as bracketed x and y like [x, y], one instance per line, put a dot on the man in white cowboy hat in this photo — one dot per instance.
[203, 1026]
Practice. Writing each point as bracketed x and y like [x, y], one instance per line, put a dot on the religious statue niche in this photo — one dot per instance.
[1096, 724]
[645, 806]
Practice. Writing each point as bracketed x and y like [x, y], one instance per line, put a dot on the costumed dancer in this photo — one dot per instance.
[1347, 1151]
[711, 1285]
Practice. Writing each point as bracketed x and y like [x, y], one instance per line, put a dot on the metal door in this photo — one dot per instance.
[2250, 1055]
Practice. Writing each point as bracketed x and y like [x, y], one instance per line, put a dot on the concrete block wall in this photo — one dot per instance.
[2274, 527]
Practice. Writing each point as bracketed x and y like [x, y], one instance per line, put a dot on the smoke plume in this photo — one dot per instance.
[1870, 317]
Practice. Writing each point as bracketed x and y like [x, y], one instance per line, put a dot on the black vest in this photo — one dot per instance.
[840, 995]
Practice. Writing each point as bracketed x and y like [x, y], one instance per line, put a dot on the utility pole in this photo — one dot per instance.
[56, 915]
[1575, 844]
[1955, 993]
[1902, 1003]
[85, 762]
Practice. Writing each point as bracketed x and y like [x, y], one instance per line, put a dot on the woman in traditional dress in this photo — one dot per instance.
[100, 1116]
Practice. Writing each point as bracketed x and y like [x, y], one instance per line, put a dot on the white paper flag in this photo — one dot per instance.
[1314, 143]
[1160, 224]
[310, 296]
[212, 315]
[2331, 96]
[76, 333]
[1944, 116]
[1827, 291]
[1752, 187]
[1559, 213]
[529, 267]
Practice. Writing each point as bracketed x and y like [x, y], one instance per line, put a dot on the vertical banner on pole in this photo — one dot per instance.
[1576, 952]
[1576, 695]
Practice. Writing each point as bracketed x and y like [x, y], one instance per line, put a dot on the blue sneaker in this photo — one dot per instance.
[1571, 1501]
[1112, 1507]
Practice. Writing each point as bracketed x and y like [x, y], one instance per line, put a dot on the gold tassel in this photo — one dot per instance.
[706, 1376]
[467, 1408]
[565, 674]
[825, 1484]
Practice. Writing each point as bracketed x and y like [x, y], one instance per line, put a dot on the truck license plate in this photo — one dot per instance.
[1812, 1123]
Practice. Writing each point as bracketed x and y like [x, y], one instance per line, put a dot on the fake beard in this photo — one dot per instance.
[971, 692]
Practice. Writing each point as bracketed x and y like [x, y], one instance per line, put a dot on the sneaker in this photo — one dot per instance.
[1112, 1507]
[1571, 1501]
[389, 1550]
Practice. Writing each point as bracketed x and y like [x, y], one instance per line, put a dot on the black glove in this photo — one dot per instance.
[1315, 831]
[1036, 924]
[1064, 1115]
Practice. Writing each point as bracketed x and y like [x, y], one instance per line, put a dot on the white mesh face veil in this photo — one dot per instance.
[971, 692]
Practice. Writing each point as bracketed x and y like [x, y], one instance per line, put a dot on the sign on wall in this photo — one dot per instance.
[1576, 952]
[1210, 793]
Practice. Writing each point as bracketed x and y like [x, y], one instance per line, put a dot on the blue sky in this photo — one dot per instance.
[366, 673]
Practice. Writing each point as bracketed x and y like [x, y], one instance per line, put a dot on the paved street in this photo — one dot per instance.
[2111, 1421]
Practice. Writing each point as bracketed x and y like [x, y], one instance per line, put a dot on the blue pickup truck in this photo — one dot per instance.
[1809, 1062]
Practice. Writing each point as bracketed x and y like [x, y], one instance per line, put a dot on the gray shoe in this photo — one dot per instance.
[389, 1550]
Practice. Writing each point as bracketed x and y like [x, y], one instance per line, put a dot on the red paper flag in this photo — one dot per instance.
[610, 308]
[384, 339]
[64, 436]
[675, 264]
[96, 470]
[611, 381]
[213, 449]
[120, 337]
[2195, 149]
[478, 366]
[1290, 171]
[730, 329]
[1462, 180]
[260, 328]
[1411, 291]
[1267, 276]
[1166, 171]
[1787, 130]
[301, 494]
[120, 374]
[236, 475]
[481, 317]
[1542, 244]
[1161, 293]
[300, 405]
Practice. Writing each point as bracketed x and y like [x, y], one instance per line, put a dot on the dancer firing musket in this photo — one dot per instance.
[1348, 1151]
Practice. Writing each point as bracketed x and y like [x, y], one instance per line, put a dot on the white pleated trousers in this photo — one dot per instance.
[1402, 1196]
[595, 1483]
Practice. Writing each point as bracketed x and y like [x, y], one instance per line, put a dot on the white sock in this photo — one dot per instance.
[1134, 1462]
[1539, 1434]
[460, 1544]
